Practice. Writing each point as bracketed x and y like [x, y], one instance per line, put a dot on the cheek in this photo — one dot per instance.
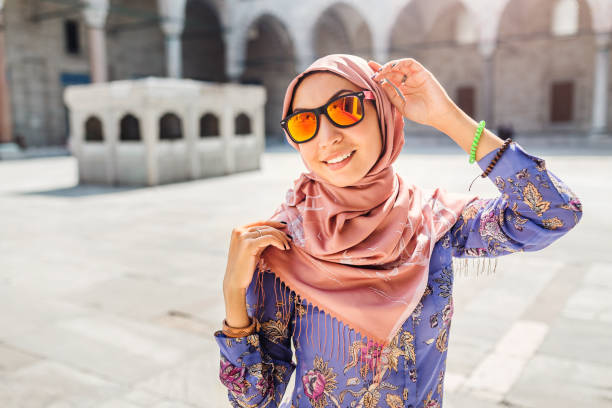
[309, 156]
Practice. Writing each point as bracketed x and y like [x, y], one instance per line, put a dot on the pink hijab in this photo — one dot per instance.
[361, 253]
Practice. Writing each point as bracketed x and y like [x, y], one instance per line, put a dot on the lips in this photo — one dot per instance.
[341, 164]
[337, 155]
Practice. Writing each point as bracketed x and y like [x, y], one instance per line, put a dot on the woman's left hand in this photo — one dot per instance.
[424, 100]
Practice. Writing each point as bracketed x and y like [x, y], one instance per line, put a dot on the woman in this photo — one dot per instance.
[355, 267]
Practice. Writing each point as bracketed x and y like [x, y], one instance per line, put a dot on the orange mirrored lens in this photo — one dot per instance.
[345, 111]
[302, 126]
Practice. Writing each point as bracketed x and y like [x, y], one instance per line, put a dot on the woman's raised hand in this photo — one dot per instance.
[423, 99]
[246, 245]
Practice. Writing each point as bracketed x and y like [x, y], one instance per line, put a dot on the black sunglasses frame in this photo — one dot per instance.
[361, 95]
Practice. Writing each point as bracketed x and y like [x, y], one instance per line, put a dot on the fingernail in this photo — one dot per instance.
[283, 222]
[379, 69]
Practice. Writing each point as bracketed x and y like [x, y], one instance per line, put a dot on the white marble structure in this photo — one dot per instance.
[162, 130]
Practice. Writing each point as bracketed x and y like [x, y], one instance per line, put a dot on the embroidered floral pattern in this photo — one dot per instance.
[319, 383]
[234, 378]
[534, 199]
[552, 223]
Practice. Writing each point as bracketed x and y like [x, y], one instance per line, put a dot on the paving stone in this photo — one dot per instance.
[194, 382]
[549, 303]
[549, 381]
[456, 400]
[592, 303]
[25, 310]
[11, 359]
[138, 298]
[599, 274]
[114, 348]
[133, 399]
[49, 383]
[580, 340]
[124, 286]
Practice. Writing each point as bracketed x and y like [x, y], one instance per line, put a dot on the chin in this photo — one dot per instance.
[345, 181]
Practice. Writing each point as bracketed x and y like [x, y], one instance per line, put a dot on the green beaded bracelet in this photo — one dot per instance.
[479, 130]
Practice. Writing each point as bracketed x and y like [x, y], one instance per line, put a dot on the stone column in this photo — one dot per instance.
[95, 14]
[228, 130]
[304, 48]
[6, 123]
[235, 52]
[150, 133]
[487, 50]
[381, 43]
[172, 13]
[600, 86]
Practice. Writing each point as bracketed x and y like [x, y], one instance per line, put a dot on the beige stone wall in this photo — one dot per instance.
[35, 59]
[136, 47]
[526, 61]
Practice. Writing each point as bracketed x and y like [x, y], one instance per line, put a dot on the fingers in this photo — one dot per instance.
[271, 223]
[256, 234]
[374, 65]
[405, 66]
[394, 94]
[270, 239]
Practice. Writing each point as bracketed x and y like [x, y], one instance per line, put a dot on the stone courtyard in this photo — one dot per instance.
[110, 296]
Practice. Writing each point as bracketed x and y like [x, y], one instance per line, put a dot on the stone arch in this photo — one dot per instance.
[432, 35]
[546, 73]
[270, 61]
[94, 131]
[565, 17]
[242, 124]
[408, 30]
[129, 128]
[340, 28]
[170, 127]
[209, 125]
[130, 31]
[203, 48]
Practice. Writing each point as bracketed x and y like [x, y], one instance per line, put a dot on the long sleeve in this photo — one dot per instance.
[535, 209]
[257, 368]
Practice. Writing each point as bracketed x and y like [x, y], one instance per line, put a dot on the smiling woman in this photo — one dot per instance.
[360, 144]
[355, 267]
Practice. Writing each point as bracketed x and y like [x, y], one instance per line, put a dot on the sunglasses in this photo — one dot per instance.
[343, 111]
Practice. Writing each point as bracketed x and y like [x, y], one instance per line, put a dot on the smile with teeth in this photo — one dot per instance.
[340, 158]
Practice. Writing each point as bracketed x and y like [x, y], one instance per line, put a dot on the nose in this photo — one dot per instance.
[328, 133]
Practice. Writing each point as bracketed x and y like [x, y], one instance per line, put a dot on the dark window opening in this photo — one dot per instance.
[170, 127]
[562, 101]
[209, 125]
[93, 130]
[243, 124]
[129, 128]
[71, 37]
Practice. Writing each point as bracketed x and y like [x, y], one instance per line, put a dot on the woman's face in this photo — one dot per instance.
[363, 139]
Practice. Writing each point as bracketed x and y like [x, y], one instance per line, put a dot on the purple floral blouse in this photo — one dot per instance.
[534, 209]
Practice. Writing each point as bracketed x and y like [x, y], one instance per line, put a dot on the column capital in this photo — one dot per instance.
[95, 13]
[172, 13]
[603, 40]
[486, 48]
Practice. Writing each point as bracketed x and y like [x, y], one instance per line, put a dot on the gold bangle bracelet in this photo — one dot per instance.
[242, 332]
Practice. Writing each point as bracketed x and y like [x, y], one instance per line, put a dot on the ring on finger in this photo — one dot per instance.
[260, 234]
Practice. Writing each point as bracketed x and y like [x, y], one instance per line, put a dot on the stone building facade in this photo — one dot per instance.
[542, 66]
